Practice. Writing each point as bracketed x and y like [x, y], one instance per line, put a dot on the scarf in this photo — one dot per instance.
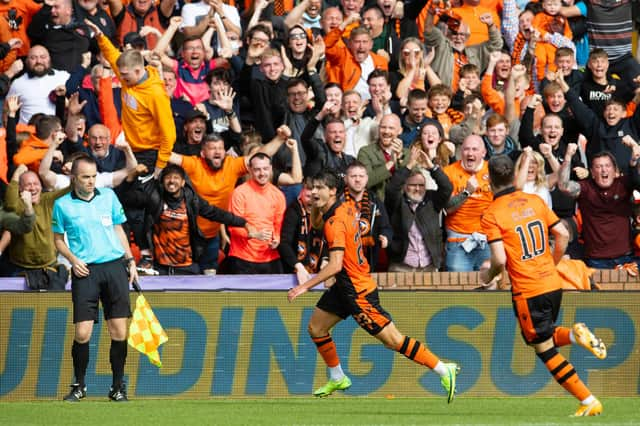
[310, 242]
[364, 208]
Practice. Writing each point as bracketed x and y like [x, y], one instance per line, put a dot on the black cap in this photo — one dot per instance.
[135, 40]
[193, 114]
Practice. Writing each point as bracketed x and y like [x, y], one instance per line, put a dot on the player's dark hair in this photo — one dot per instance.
[328, 178]
[501, 171]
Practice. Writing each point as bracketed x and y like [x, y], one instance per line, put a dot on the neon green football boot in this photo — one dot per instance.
[332, 386]
[448, 381]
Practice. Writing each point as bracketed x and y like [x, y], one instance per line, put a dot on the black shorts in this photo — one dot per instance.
[537, 316]
[365, 309]
[107, 282]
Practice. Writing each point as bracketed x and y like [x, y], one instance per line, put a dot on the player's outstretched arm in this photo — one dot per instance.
[331, 268]
[498, 261]
[561, 238]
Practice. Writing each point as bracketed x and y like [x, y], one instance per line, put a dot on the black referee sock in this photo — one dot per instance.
[80, 355]
[117, 357]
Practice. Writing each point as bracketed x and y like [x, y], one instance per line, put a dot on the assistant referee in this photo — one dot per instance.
[102, 270]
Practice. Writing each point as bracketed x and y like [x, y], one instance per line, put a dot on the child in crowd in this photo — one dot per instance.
[548, 22]
[439, 102]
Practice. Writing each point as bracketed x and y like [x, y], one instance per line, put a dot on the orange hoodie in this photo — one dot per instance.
[147, 119]
[31, 152]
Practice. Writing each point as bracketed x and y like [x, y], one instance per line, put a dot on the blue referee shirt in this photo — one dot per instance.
[90, 225]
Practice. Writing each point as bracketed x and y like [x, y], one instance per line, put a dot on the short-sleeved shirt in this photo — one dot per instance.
[342, 232]
[215, 186]
[606, 228]
[522, 222]
[90, 225]
[466, 220]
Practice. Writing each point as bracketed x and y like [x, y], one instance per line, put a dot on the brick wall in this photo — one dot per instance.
[608, 280]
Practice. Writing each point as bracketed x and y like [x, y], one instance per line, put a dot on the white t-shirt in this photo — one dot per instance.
[191, 12]
[103, 180]
[362, 86]
[34, 93]
[541, 191]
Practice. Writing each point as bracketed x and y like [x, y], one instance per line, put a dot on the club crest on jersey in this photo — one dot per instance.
[302, 250]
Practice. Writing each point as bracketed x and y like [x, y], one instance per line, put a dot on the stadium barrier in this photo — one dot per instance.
[248, 344]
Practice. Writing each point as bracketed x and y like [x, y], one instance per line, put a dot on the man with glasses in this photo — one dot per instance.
[454, 50]
[415, 215]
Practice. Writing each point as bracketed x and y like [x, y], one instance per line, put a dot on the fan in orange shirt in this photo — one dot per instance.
[517, 226]
[466, 247]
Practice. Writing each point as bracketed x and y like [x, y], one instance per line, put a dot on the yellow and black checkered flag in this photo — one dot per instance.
[145, 332]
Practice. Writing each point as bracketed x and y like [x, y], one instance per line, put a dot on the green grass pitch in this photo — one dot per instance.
[335, 410]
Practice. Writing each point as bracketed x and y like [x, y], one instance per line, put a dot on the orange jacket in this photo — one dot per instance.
[129, 24]
[31, 152]
[345, 70]
[107, 108]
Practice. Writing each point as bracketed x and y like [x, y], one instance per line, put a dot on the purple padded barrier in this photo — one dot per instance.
[192, 282]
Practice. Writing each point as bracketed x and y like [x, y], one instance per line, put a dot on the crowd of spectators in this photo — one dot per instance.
[208, 118]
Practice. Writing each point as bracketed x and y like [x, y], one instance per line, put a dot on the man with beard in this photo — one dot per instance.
[55, 28]
[466, 246]
[171, 223]
[605, 203]
[415, 215]
[383, 158]
[214, 175]
[34, 87]
[375, 229]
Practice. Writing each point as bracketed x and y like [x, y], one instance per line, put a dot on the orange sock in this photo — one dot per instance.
[564, 373]
[327, 350]
[417, 352]
[561, 336]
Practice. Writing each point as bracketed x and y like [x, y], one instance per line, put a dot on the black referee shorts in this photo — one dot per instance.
[107, 282]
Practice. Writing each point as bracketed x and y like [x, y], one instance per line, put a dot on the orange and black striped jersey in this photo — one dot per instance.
[522, 222]
[342, 232]
[466, 220]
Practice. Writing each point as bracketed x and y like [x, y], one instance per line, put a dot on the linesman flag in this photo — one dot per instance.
[145, 332]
